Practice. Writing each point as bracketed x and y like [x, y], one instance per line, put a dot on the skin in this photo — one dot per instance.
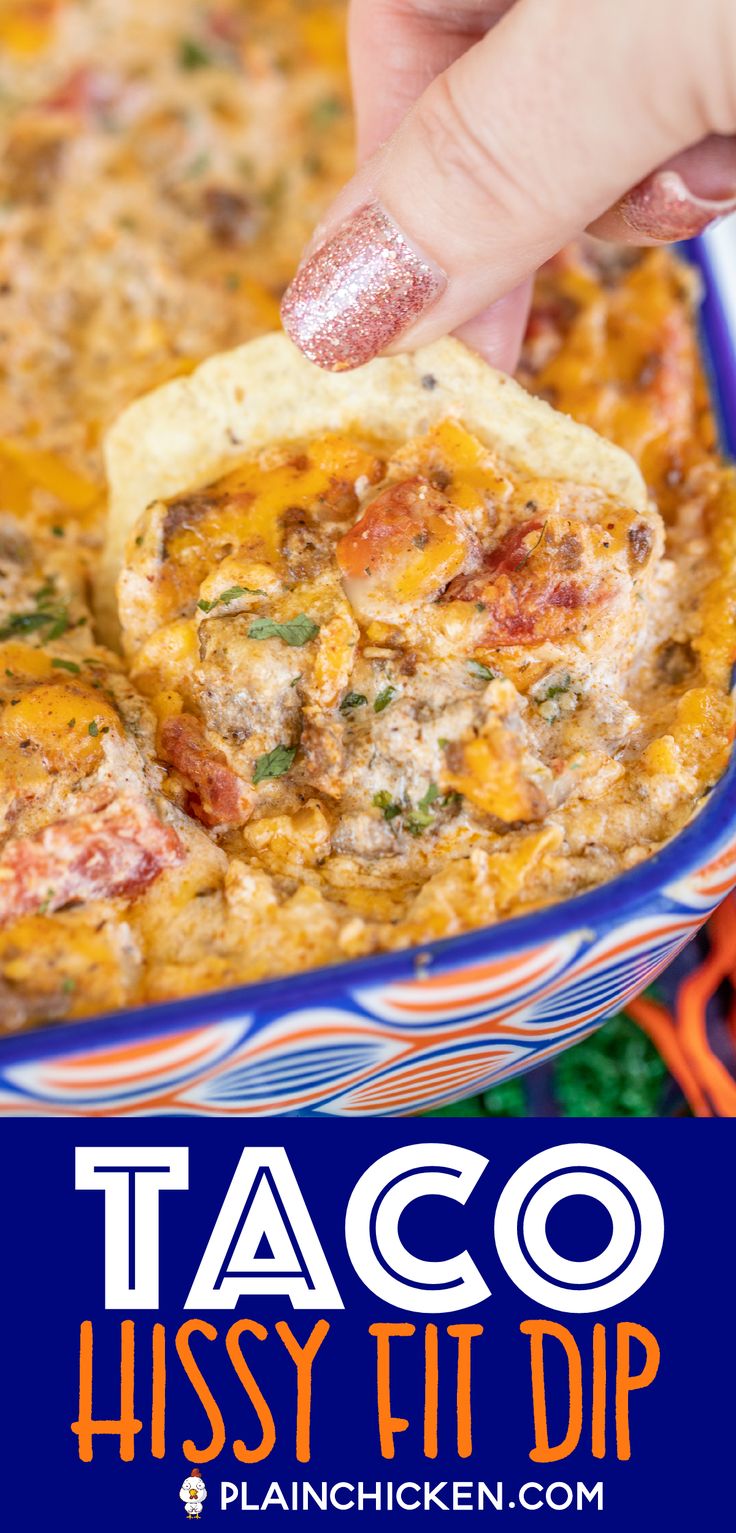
[494, 131]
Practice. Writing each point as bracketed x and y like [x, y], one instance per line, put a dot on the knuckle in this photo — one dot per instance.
[455, 143]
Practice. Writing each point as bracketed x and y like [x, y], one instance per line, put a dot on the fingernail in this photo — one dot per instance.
[358, 291]
[662, 207]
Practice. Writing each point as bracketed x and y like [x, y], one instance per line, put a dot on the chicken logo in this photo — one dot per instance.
[193, 1493]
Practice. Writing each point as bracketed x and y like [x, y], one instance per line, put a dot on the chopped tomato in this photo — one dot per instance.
[404, 549]
[542, 581]
[219, 796]
[117, 850]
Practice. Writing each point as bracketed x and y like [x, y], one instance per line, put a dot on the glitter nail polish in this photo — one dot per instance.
[358, 292]
[662, 207]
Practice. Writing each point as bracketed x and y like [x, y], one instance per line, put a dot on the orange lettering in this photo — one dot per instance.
[388, 1425]
[126, 1427]
[304, 1358]
[203, 1392]
[431, 1391]
[626, 1382]
[543, 1452]
[464, 1334]
[158, 1392]
[266, 1421]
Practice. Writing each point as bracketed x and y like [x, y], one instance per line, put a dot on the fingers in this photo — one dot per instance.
[398, 47]
[677, 201]
[498, 332]
[523, 141]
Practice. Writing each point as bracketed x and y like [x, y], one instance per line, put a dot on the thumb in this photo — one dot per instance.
[512, 151]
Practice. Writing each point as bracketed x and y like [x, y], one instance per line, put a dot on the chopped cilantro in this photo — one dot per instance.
[93, 728]
[68, 985]
[422, 815]
[274, 763]
[325, 111]
[384, 801]
[32, 622]
[352, 700]
[556, 689]
[196, 167]
[66, 665]
[42, 909]
[296, 631]
[231, 594]
[57, 532]
[60, 625]
[429, 797]
[483, 672]
[7, 672]
[191, 55]
[295, 679]
[71, 723]
[383, 699]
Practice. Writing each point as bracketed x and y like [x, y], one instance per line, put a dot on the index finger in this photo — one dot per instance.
[397, 47]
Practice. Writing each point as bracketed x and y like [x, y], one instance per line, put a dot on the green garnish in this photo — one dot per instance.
[57, 532]
[196, 167]
[556, 689]
[414, 820]
[66, 665]
[383, 699]
[231, 594]
[422, 815]
[352, 700]
[68, 985]
[42, 909]
[384, 801]
[484, 672]
[191, 55]
[295, 679]
[93, 728]
[274, 763]
[296, 631]
[326, 110]
[71, 723]
[31, 622]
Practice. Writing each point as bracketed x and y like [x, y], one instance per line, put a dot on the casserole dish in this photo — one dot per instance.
[406, 1031]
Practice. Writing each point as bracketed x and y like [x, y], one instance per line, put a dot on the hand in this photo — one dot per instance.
[491, 133]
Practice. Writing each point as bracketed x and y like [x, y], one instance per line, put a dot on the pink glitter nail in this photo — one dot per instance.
[662, 207]
[360, 290]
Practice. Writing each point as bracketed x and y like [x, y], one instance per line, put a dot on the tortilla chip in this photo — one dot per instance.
[188, 432]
